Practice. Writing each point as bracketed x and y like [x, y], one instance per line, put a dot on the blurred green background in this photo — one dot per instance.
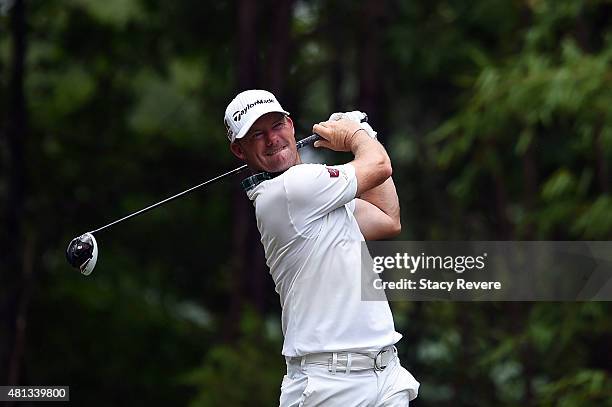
[496, 114]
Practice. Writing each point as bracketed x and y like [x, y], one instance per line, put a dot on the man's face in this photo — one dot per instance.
[269, 144]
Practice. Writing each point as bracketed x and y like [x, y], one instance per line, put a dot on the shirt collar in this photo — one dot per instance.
[251, 182]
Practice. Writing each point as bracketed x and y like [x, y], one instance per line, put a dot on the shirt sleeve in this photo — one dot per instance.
[314, 190]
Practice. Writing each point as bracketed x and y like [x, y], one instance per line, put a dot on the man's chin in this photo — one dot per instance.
[281, 163]
[279, 168]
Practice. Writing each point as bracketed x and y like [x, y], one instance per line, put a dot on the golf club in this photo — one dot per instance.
[82, 252]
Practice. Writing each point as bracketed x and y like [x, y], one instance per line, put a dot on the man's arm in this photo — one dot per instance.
[377, 212]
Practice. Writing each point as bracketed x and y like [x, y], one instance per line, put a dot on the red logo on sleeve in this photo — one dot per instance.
[333, 172]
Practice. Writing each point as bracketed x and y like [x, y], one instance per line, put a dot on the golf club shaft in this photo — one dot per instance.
[304, 142]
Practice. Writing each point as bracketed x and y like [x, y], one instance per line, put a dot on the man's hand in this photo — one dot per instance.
[338, 135]
[357, 117]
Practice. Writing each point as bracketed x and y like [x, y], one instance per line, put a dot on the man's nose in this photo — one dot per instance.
[270, 138]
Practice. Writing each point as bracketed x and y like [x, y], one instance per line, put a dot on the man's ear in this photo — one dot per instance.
[291, 123]
[237, 150]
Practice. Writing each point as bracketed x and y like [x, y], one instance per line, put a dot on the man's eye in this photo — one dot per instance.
[279, 125]
[257, 136]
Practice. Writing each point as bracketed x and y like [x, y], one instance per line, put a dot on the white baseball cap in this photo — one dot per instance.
[246, 108]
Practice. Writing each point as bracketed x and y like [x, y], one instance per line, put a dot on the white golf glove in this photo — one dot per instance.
[357, 117]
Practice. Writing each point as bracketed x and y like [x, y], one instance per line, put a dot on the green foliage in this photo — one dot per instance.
[117, 13]
[530, 104]
[586, 387]
[595, 221]
[168, 106]
[253, 361]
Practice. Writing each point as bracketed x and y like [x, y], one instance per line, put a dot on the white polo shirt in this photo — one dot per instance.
[313, 249]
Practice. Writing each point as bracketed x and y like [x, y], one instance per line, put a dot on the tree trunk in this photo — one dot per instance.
[13, 283]
[338, 40]
[601, 164]
[243, 223]
[21, 316]
[504, 228]
[530, 191]
[280, 45]
[371, 83]
[247, 44]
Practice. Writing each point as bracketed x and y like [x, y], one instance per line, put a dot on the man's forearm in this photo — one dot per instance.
[384, 197]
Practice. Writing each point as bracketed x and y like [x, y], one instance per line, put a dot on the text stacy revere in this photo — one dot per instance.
[427, 284]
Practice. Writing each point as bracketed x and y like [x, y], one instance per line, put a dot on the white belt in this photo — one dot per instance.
[349, 361]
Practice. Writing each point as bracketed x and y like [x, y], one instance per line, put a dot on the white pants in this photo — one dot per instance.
[315, 385]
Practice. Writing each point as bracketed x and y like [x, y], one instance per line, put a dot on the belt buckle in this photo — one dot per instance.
[377, 367]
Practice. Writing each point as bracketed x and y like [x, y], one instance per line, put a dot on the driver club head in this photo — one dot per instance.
[82, 253]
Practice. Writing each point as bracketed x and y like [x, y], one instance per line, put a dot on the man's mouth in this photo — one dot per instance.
[275, 150]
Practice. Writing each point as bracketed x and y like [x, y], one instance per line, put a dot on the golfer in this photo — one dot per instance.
[312, 219]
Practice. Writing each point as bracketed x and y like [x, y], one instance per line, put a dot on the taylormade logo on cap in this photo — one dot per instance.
[238, 114]
[246, 108]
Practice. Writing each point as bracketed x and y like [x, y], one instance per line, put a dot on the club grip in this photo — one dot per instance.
[308, 140]
[311, 139]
